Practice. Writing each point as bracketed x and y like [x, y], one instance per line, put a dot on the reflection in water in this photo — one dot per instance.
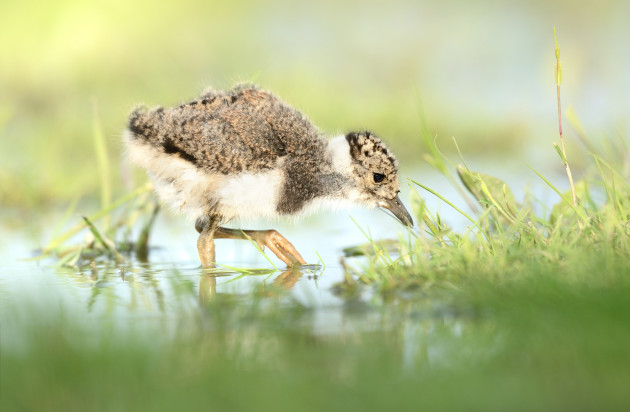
[142, 287]
[207, 287]
[282, 283]
[247, 306]
[253, 312]
[288, 278]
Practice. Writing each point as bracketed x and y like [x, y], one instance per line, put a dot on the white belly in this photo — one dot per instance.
[249, 195]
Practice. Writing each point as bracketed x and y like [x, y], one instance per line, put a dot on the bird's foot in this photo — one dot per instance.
[279, 245]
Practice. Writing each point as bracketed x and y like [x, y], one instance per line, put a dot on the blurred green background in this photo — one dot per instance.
[533, 338]
[482, 71]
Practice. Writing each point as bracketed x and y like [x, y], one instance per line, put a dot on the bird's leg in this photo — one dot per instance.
[277, 243]
[206, 226]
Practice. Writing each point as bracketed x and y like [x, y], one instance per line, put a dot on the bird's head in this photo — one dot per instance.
[375, 172]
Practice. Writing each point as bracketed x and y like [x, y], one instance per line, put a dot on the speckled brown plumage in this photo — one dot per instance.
[245, 129]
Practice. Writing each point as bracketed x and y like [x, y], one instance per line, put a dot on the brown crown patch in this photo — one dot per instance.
[369, 150]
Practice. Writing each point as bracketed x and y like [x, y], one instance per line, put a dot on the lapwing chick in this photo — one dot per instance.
[244, 153]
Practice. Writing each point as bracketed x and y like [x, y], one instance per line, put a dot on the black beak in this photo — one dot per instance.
[396, 207]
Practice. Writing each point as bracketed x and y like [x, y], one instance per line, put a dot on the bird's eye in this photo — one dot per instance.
[378, 177]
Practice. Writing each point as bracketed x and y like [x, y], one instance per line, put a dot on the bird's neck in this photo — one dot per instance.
[337, 175]
[339, 154]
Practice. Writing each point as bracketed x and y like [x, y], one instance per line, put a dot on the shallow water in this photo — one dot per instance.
[172, 278]
[172, 281]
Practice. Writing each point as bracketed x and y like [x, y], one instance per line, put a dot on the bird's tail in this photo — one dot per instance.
[144, 124]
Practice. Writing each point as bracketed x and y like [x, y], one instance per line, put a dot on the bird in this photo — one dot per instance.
[244, 153]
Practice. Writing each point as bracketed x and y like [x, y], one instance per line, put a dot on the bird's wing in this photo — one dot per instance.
[243, 129]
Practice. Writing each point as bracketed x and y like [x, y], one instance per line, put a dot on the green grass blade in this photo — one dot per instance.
[66, 216]
[442, 198]
[102, 161]
[142, 245]
[97, 234]
[321, 260]
[56, 242]
[568, 201]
